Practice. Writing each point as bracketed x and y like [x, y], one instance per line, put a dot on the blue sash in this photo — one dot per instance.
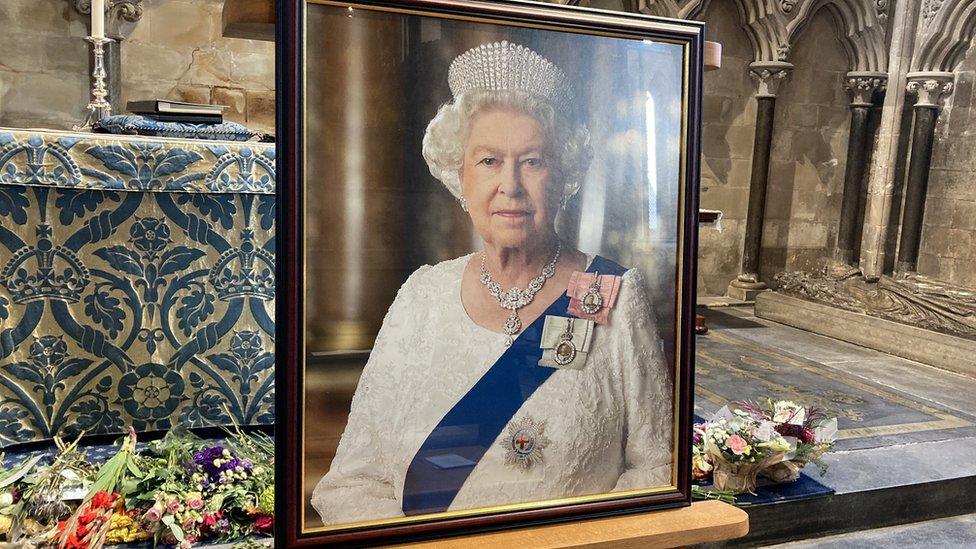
[456, 445]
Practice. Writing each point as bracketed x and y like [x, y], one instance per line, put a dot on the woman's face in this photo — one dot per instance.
[507, 179]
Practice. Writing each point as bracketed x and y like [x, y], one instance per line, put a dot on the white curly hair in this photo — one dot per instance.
[443, 144]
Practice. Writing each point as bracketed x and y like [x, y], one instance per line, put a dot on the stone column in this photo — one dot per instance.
[930, 87]
[861, 86]
[769, 75]
[885, 176]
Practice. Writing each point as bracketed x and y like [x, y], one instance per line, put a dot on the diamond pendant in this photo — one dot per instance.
[512, 326]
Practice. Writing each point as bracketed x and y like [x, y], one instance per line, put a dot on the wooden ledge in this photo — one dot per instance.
[704, 521]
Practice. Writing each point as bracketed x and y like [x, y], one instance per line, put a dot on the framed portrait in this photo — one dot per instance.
[486, 253]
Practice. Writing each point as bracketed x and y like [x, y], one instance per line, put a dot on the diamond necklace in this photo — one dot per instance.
[516, 298]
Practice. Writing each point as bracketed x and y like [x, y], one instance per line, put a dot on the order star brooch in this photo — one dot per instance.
[525, 442]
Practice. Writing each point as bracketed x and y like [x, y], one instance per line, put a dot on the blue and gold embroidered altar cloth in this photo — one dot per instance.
[136, 284]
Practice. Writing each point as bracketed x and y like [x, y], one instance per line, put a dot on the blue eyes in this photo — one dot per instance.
[491, 161]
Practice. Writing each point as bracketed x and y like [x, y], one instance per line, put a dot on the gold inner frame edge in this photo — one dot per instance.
[691, 32]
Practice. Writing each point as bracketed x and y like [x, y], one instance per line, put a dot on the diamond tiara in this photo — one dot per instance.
[501, 66]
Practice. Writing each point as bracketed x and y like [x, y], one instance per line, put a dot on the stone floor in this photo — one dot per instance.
[900, 422]
[954, 532]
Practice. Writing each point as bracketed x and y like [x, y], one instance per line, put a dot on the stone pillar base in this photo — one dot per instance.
[742, 294]
[746, 288]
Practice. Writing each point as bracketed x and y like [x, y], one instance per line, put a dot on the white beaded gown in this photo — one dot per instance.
[608, 425]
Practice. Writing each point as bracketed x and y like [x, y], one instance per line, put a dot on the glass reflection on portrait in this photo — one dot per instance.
[509, 365]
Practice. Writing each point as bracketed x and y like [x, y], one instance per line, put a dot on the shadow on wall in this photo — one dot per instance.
[809, 153]
[728, 118]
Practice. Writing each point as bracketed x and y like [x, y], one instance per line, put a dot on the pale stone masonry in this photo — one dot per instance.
[949, 231]
[807, 160]
[175, 51]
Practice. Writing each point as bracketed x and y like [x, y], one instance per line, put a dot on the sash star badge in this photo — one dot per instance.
[524, 444]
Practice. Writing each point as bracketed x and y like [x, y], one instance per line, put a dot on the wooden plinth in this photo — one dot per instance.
[704, 521]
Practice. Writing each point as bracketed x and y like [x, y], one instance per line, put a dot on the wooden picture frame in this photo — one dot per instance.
[359, 210]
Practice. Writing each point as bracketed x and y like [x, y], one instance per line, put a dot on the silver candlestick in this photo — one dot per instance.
[98, 107]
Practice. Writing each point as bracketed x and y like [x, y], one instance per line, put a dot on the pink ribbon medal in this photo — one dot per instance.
[592, 295]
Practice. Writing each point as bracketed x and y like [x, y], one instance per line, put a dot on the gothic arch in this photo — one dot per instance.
[861, 29]
[947, 29]
[773, 25]
[860, 24]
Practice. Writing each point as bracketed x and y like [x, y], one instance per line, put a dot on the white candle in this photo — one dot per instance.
[98, 19]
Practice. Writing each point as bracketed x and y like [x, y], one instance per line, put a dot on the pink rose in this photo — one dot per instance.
[737, 444]
[194, 502]
[153, 515]
[189, 523]
[173, 506]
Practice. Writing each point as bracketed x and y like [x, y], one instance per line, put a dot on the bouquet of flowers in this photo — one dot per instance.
[807, 429]
[733, 447]
[701, 462]
[43, 495]
[193, 489]
[175, 491]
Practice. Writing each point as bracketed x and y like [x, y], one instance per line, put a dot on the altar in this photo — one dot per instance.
[136, 284]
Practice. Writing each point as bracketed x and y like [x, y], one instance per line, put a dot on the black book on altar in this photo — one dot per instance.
[184, 118]
[165, 106]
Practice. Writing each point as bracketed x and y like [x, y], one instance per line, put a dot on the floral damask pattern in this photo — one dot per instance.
[136, 284]
[151, 393]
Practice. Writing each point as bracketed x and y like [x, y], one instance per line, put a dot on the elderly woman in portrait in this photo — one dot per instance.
[526, 372]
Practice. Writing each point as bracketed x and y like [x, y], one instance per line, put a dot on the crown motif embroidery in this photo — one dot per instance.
[505, 66]
[247, 271]
[45, 271]
[38, 162]
[244, 171]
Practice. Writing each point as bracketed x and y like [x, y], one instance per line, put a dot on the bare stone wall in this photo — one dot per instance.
[807, 161]
[948, 246]
[806, 172]
[175, 52]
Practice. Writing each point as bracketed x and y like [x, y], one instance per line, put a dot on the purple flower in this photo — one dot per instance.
[205, 460]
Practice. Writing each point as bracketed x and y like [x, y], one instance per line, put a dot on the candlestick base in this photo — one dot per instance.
[98, 107]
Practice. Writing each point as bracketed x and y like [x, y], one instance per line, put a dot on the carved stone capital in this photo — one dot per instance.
[662, 8]
[769, 75]
[930, 8]
[930, 87]
[882, 7]
[115, 12]
[863, 85]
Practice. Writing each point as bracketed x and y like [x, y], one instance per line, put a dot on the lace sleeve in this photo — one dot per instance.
[648, 389]
[358, 486]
